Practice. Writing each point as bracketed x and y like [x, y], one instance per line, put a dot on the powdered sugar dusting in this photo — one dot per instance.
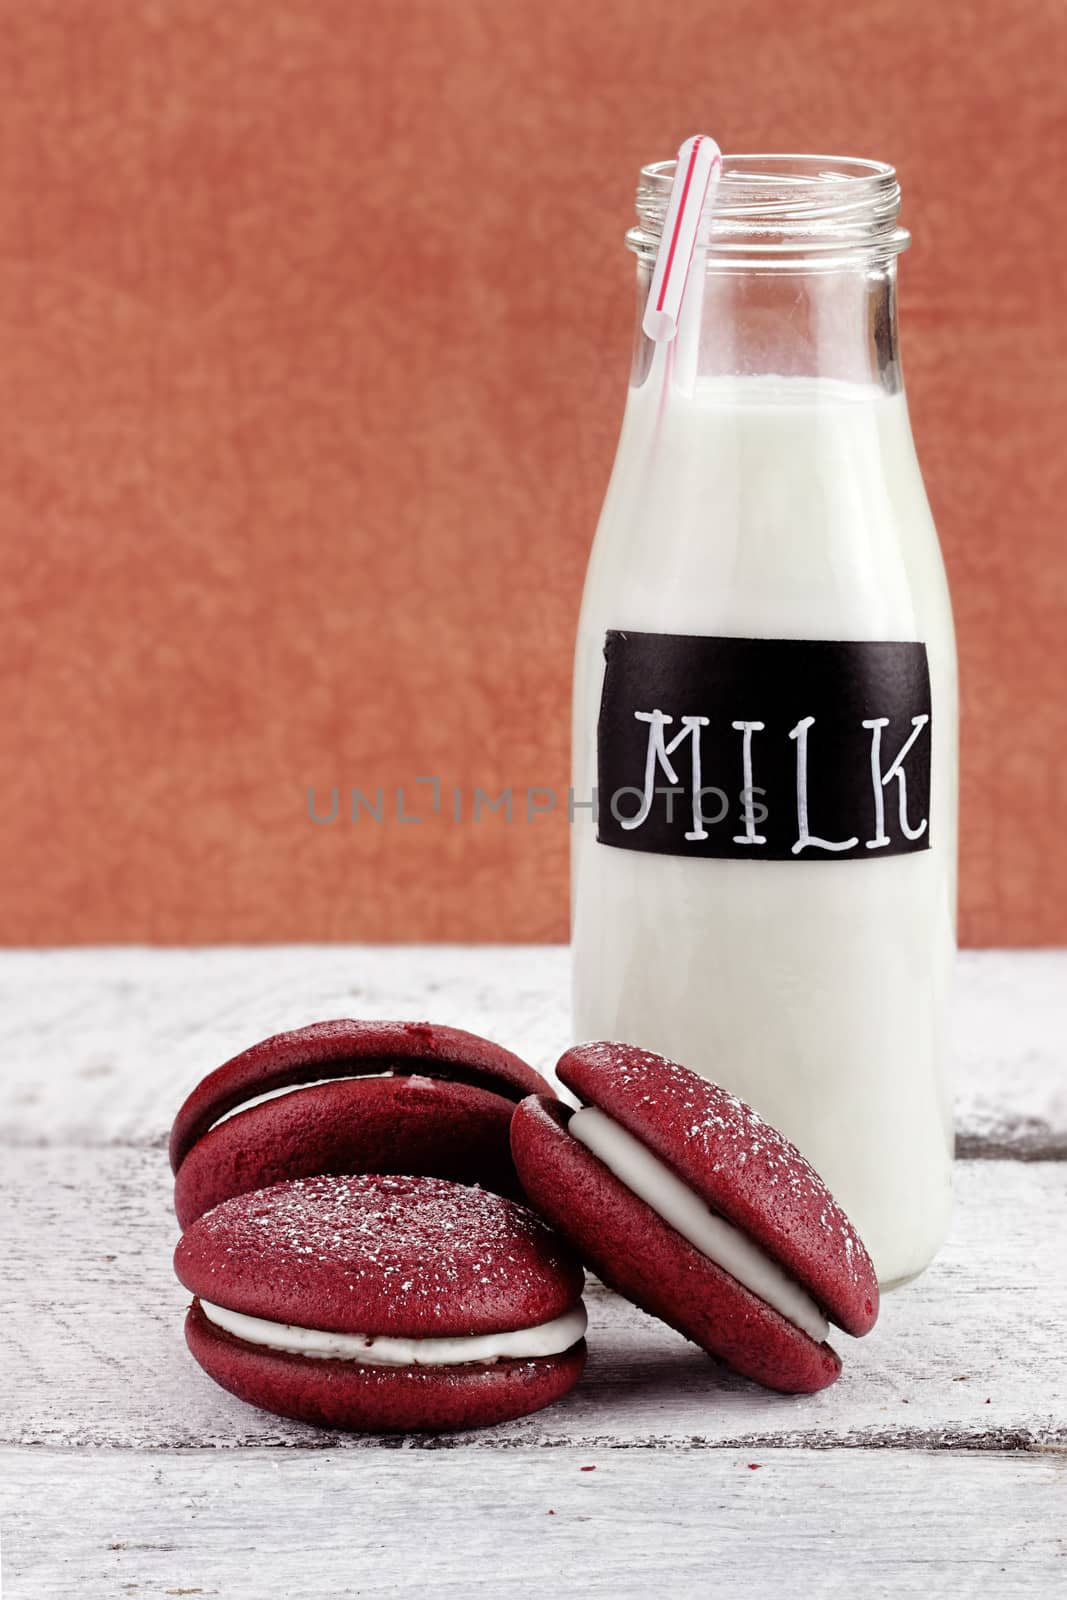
[394, 1254]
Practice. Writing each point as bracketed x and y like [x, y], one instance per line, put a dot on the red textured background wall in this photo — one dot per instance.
[306, 417]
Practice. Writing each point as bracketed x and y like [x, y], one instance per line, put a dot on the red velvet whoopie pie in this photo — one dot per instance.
[408, 1097]
[379, 1304]
[683, 1199]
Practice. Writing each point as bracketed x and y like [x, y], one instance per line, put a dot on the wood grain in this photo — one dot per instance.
[102, 1047]
[827, 1523]
[297, 484]
[967, 1356]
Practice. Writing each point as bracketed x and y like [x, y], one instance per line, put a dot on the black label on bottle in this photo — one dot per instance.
[766, 749]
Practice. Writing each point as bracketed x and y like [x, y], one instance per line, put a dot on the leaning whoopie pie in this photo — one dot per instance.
[379, 1303]
[684, 1200]
[397, 1097]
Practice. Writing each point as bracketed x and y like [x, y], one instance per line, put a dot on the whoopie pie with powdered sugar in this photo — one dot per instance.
[381, 1303]
[683, 1199]
[408, 1097]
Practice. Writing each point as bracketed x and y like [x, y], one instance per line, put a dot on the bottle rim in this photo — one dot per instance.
[778, 209]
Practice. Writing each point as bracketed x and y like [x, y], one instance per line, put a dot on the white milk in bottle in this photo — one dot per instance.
[765, 700]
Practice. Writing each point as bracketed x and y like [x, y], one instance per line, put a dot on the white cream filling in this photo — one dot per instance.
[295, 1088]
[348, 1077]
[654, 1183]
[547, 1339]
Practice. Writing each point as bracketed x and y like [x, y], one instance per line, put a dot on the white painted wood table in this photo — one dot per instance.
[936, 1466]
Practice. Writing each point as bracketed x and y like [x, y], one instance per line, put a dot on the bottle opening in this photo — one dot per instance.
[777, 209]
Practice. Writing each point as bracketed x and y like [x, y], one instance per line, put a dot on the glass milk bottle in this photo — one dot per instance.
[765, 699]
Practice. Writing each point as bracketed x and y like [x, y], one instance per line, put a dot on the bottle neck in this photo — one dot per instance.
[796, 321]
[794, 274]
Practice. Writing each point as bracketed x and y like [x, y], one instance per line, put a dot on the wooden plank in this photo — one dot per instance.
[103, 1045]
[398, 1522]
[1010, 1053]
[969, 1355]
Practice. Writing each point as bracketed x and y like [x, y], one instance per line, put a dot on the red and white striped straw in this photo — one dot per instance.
[697, 171]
